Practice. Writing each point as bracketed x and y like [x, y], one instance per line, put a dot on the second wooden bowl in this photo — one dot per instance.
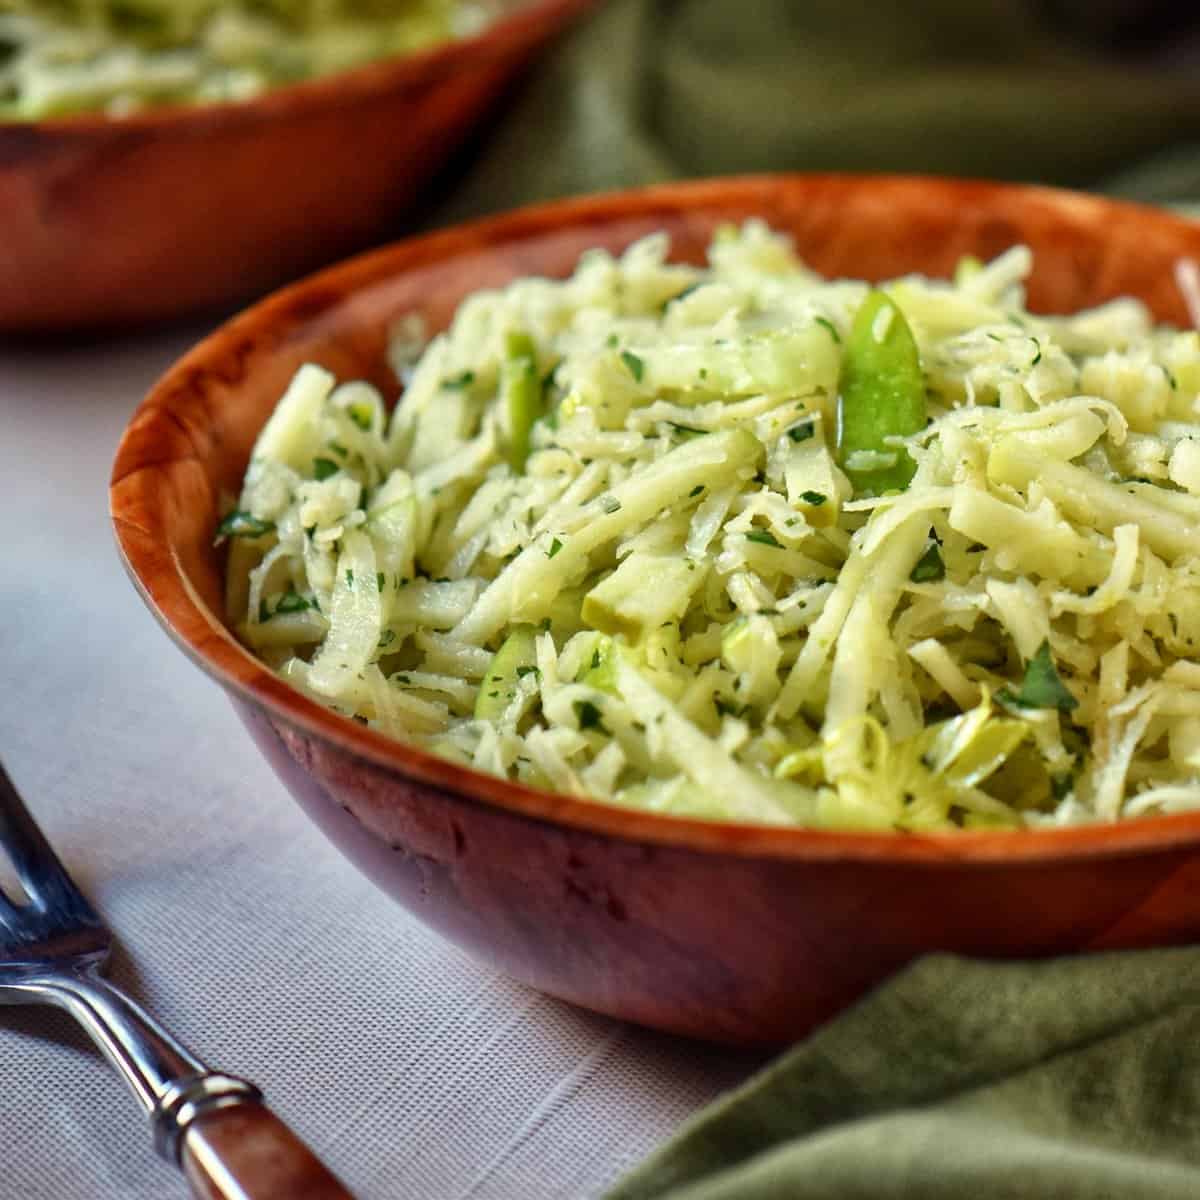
[110, 223]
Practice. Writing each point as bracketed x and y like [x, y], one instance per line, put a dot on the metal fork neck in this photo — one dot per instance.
[172, 1085]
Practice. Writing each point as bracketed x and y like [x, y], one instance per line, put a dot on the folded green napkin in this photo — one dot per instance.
[1073, 1078]
[1087, 94]
[963, 1080]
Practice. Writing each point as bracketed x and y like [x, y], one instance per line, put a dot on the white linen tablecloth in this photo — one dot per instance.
[412, 1071]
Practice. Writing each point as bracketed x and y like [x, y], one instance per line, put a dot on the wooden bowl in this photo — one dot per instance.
[119, 222]
[726, 932]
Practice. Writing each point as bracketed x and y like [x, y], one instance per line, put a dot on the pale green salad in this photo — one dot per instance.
[59, 57]
[738, 542]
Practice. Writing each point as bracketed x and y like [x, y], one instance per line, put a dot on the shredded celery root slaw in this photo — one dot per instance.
[59, 57]
[743, 543]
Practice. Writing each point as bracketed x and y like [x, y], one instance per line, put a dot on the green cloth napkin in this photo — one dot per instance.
[1086, 94]
[1072, 1078]
[963, 1080]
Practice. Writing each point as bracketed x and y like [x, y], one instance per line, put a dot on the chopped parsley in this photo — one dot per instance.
[696, 490]
[816, 499]
[764, 537]
[635, 366]
[588, 716]
[828, 324]
[555, 547]
[929, 567]
[802, 430]
[361, 415]
[687, 291]
[457, 383]
[1041, 687]
[242, 524]
[291, 602]
[323, 468]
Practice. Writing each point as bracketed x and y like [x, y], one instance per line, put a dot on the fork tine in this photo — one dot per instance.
[44, 878]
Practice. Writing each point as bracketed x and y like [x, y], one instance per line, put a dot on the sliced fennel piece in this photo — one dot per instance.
[516, 657]
[355, 619]
[688, 750]
[525, 589]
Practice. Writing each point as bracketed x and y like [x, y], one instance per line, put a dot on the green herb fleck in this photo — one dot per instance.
[323, 468]
[350, 579]
[1037, 358]
[1062, 785]
[764, 537]
[291, 602]
[687, 430]
[589, 716]
[458, 383]
[611, 341]
[828, 324]
[523, 671]
[555, 547]
[1042, 687]
[929, 567]
[816, 499]
[687, 291]
[802, 430]
[380, 579]
[386, 638]
[696, 490]
[636, 367]
[241, 524]
[360, 414]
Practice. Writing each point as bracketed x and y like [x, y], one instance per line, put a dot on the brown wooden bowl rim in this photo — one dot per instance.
[170, 598]
[323, 92]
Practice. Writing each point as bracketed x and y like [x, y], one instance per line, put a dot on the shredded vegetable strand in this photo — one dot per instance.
[738, 543]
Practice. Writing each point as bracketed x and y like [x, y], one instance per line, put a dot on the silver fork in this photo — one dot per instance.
[214, 1126]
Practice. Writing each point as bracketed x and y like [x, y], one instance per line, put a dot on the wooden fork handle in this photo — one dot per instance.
[245, 1152]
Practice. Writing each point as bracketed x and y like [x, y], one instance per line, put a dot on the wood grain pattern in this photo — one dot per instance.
[732, 932]
[247, 1153]
[110, 223]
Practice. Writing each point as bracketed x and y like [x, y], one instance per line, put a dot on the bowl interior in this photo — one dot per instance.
[181, 461]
